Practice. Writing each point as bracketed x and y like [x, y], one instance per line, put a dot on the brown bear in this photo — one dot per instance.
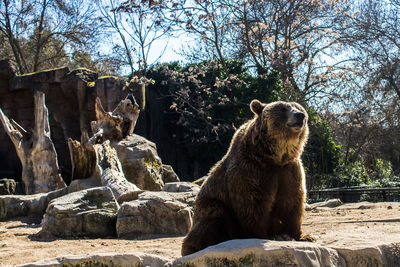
[257, 190]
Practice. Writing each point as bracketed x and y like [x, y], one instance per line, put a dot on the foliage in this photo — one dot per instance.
[207, 104]
[382, 174]
[322, 155]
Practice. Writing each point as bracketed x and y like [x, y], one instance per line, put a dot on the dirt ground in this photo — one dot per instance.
[350, 225]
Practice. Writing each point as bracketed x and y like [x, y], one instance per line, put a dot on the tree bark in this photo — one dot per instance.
[116, 125]
[95, 158]
[35, 149]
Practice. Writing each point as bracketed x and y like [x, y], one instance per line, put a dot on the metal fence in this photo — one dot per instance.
[357, 194]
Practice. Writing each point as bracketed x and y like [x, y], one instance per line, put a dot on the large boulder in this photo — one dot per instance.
[260, 252]
[12, 206]
[140, 162]
[156, 214]
[90, 213]
[34, 206]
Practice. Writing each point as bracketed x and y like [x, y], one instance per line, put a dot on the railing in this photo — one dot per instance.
[357, 194]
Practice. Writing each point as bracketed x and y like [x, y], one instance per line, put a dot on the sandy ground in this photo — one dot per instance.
[350, 225]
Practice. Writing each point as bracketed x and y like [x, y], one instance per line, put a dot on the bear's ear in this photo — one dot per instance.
[256, 106]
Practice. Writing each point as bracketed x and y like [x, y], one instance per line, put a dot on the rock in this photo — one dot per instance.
[200, 181]
[90, 213]
[7, 186]
[100, 162]
[260, 252]
[168, 174]
[22, 205]
[32, 79]
[122, 188]
[27, 205]
[35, 205]
[82, 184]
[70, 98]
[12, 206]
[103, 259]
[181, 187]
[140, 162]
[155, 214]
[332, 203]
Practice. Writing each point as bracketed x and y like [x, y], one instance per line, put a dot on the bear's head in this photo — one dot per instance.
[281, 127]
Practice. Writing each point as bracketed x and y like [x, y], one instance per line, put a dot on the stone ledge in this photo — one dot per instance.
[260, 252]
[245, 252]
[102, 259]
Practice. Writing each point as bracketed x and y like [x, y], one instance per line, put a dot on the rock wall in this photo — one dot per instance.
[70, 98]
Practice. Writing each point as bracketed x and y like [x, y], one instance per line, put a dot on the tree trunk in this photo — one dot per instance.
[116, 125]
[35, 149]
[95, 158]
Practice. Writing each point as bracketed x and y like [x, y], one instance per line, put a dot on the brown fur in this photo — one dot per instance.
[257, 189]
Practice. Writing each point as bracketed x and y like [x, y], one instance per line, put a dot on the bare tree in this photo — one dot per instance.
[41, 33]
[300, 39]
[138, 27]
[369, 119]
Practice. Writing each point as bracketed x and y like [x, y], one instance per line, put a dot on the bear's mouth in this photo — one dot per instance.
[298, 124]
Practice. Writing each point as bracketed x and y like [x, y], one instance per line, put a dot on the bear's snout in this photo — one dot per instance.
[296, 119]
[300, 117]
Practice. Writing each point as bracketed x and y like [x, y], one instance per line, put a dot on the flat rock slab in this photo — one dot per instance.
[89, 213]
[102, 259]
[259, 252]
[244, 252]
[155, 214]
[181, 187]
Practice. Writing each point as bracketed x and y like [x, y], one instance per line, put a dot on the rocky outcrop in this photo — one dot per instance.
[259, 252]
[89, 213]
[140, 162]
[155, 214]
[103, 259]
[181, 187]
[70, 98]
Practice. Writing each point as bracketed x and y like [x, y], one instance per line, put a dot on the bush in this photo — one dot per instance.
[207, 104]
[322, 155]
